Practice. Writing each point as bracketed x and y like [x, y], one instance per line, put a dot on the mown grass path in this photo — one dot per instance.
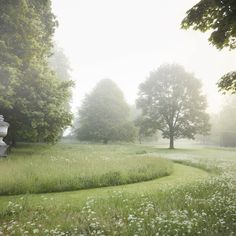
[181, 175]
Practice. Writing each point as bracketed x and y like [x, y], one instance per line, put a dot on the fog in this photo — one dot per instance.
[125, 40]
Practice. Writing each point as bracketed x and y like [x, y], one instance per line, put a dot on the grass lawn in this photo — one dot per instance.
[43, 169]
[193, 199]
[181, 175]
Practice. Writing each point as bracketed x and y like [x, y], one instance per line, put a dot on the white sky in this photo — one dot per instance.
[125, 39]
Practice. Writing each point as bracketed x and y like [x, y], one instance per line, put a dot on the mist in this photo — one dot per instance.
[117, 117]
[126, 40]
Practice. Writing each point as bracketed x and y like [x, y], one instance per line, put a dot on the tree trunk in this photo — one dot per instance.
[171, 141]
[140, 139]
[13, 142]
[10, 139]
[105, 141]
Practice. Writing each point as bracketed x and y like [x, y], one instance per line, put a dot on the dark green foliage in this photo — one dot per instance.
[32, 99]
[228, 82]
[104, 115]
[171, 102]
[218, 16]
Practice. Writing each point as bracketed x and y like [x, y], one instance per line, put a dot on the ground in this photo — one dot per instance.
[151, 190]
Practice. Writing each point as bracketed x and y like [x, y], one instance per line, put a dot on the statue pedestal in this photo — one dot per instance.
[3, 149]
[3, 133]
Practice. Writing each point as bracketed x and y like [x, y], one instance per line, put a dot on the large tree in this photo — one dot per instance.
[171, 101]
[32, 98]
[219, 17]
[104, 115]
[226, 121]
[59, 63]
[223, 131]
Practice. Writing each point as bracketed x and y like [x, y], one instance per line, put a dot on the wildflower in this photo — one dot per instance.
[35, 231]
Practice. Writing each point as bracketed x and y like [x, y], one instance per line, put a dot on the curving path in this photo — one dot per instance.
[181, 175]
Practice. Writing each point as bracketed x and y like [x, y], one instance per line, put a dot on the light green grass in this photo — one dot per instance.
[190, 201]
[181, 175]
[42, 169]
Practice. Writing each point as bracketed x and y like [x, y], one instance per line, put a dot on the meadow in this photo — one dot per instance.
[196, 197]
[43, 169]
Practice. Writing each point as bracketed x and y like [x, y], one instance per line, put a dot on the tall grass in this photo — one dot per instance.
[41, 169]
[204, 208]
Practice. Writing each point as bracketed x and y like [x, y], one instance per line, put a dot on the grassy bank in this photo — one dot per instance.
[76, 213]
[42, 169]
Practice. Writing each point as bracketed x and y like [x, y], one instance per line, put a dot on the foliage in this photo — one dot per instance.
[227, 116]
[225, 124]
[228, 82]
[217, 16]
[223, 128]
[60, 63]
[32, 99]
[104, 115]
[220, 18]
[61, 67]
[40, 169]
[145, 128]
[172, 102]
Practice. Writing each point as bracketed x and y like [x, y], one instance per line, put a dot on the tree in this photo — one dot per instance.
[226, 123]
[32, 98]
[104, 115]
[218, 16]
[171, 101]
[145, 128]
[60, 63]
[223, 127]
[228, 82]
[227, 115]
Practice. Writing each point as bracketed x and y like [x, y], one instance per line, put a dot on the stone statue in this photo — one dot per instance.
[3, 133]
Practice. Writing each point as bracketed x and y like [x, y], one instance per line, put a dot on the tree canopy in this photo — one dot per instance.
[223, 130]
[228, 82]
[104, 115]
[32, 98]
[226, 123]
[219, 17]
[60, 63]
[227, 115]
[145, 128]
[171, 101]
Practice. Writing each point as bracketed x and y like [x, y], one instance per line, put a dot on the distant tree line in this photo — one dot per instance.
[170, 101]
[223, 131]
